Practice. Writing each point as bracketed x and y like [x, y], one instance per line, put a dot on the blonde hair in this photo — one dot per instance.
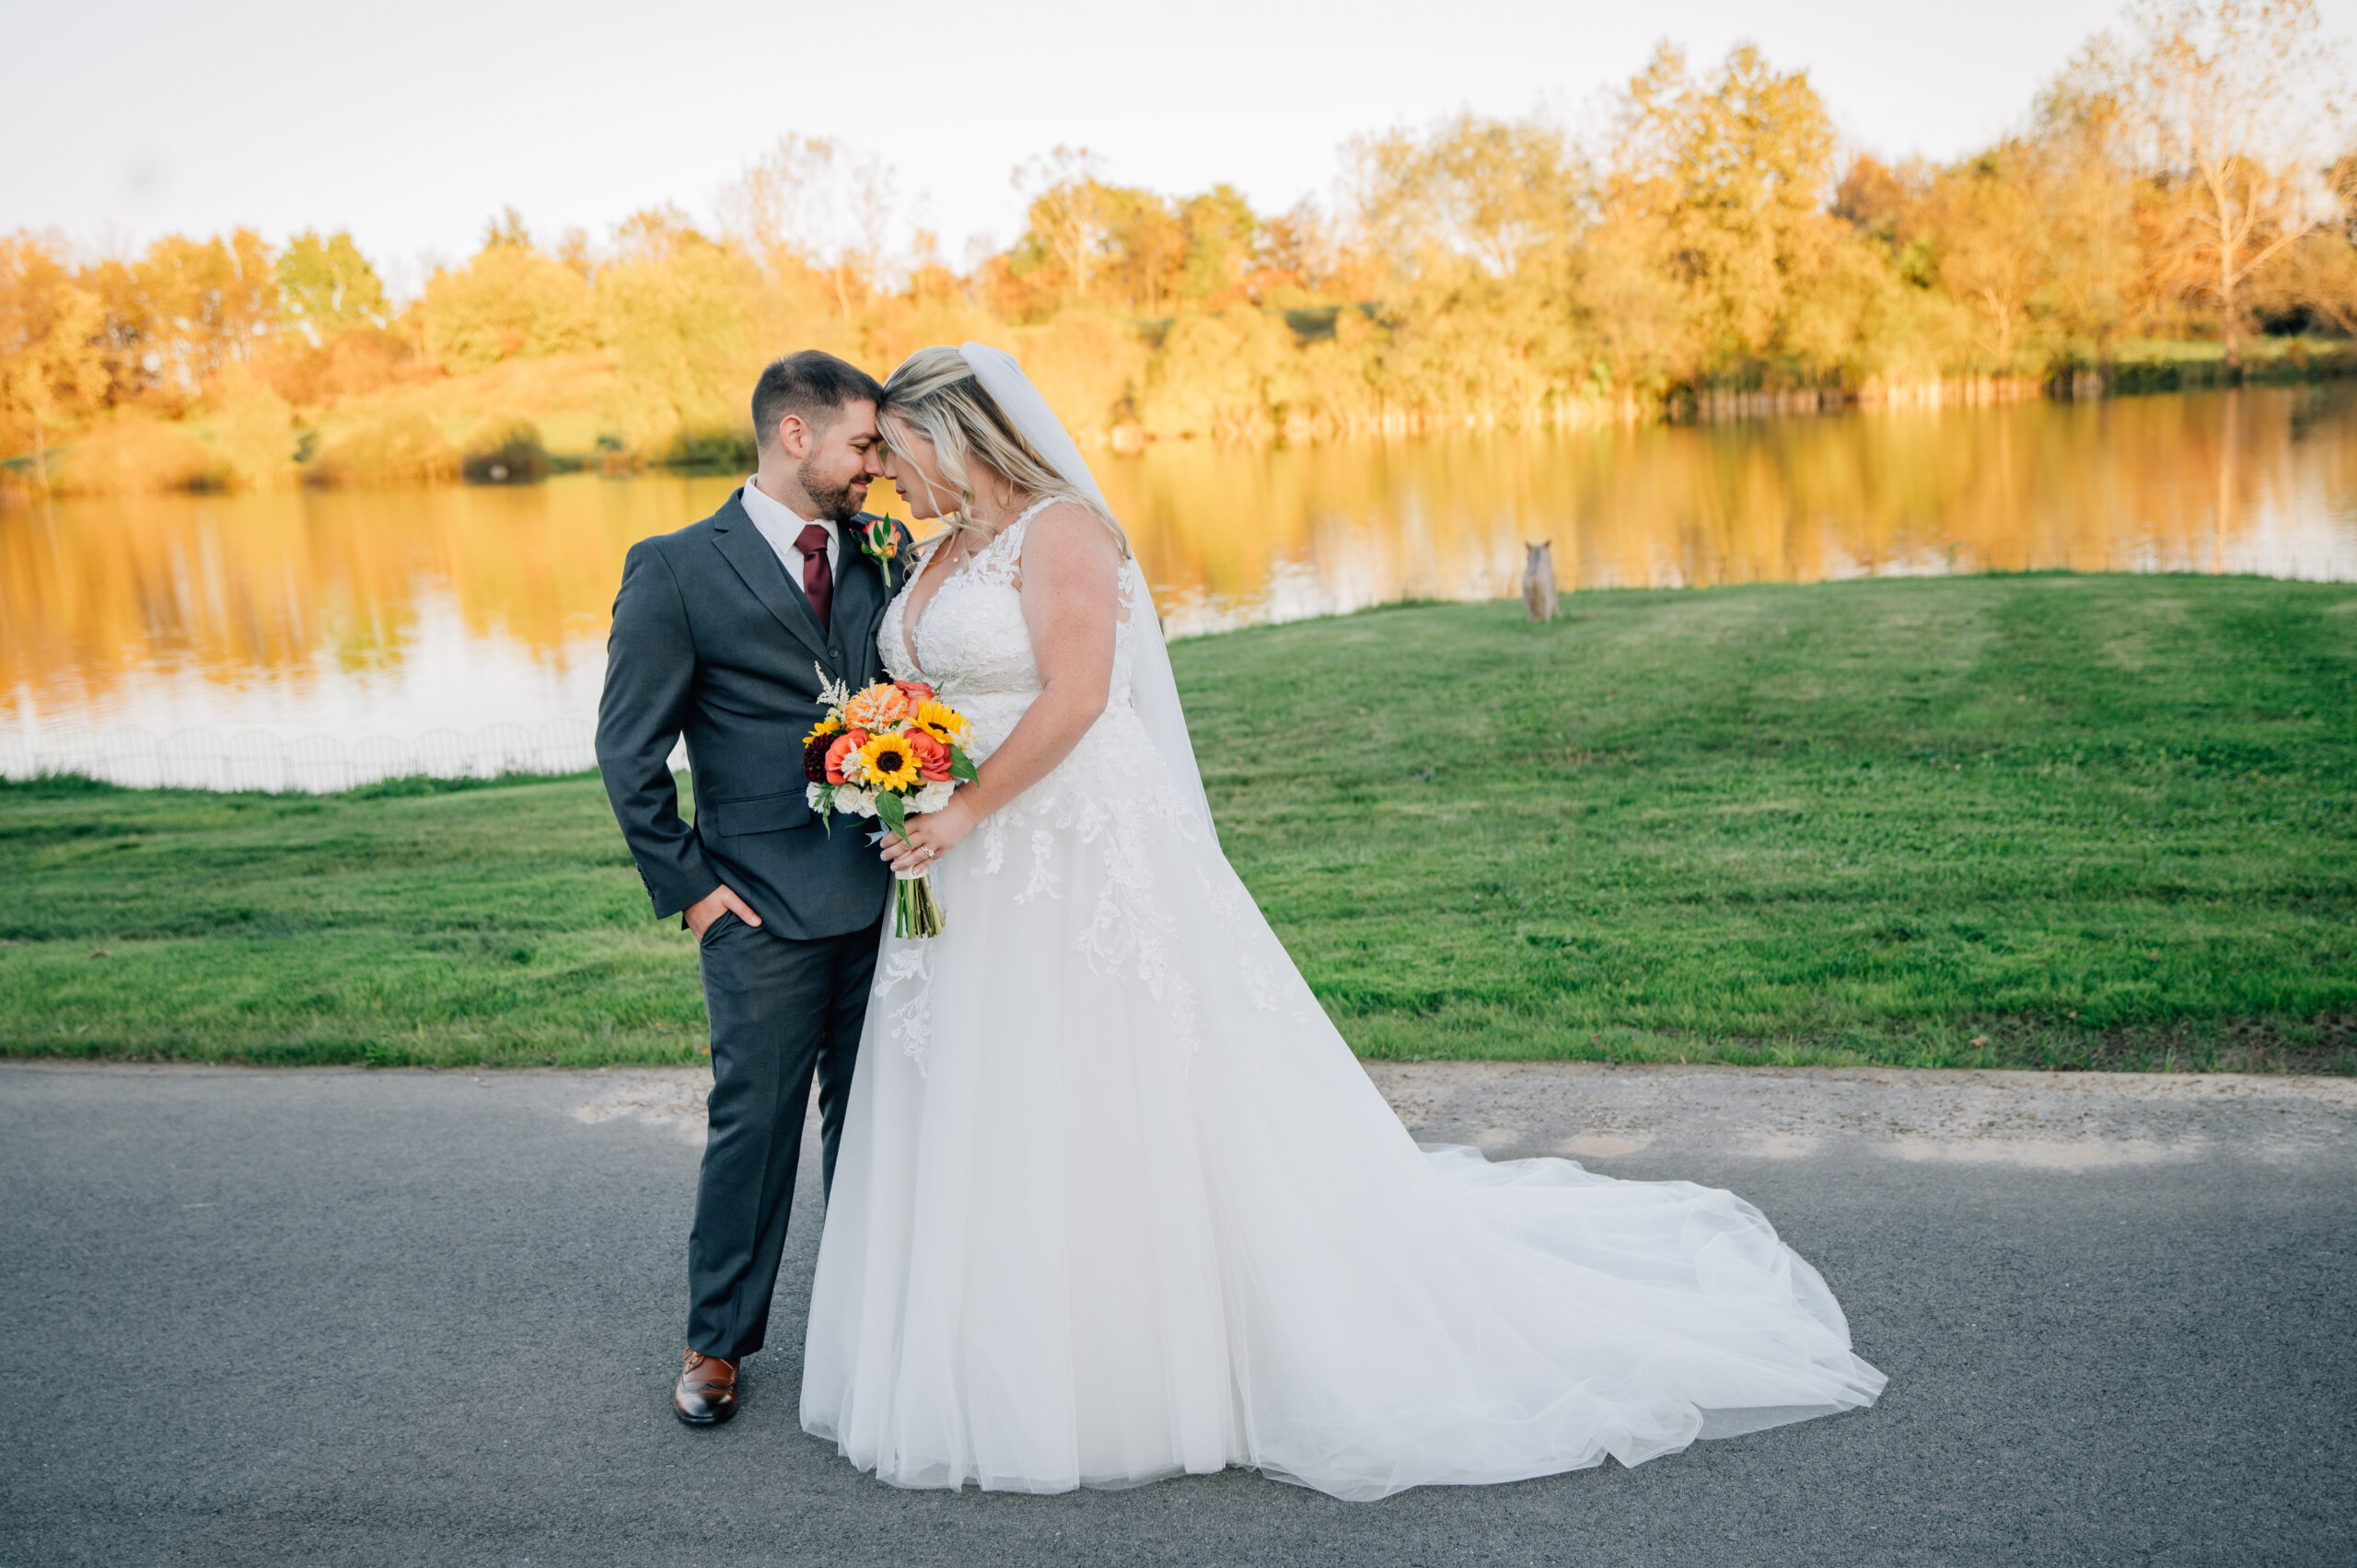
[934, 393]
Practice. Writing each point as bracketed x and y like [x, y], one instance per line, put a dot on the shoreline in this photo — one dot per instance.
[21, 760]
[2098, 823]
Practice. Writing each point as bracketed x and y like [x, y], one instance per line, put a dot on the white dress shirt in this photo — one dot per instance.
[781, 528]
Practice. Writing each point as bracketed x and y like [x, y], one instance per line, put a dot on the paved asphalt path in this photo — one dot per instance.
[328, 1317]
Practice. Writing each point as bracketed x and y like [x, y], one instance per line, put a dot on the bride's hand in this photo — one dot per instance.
[931, 836]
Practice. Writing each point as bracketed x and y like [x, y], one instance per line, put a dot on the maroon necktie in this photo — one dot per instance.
[818, 583]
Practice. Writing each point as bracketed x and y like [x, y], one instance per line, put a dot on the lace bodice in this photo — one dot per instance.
[971, 640]
[1096, 816]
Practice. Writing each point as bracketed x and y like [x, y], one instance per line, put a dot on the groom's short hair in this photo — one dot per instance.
[813, 383]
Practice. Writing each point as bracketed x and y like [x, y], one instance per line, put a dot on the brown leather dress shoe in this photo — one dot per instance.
[706, 1394]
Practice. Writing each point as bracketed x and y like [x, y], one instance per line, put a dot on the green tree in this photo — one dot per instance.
[1222, 237]
[673, 311]
[328, 288]
[510, 302]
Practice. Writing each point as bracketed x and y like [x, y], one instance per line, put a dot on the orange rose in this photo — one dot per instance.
[845, 744]
[917, 691]
[933, 756]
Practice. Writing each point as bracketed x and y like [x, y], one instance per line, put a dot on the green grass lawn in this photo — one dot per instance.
[2049, 821]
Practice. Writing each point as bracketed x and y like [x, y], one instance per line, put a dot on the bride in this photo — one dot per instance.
[1114, 1200]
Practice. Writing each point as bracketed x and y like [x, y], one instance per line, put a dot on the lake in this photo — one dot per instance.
[316, 639]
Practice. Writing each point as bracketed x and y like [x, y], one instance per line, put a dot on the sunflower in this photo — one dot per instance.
[890, 763]
[944, 723]
[879, 706]
[823, 728]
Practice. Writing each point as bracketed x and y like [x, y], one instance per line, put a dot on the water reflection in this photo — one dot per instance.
[392, 614]
[2260, 482]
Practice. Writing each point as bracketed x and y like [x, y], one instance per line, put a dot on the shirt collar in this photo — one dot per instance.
[769, 513]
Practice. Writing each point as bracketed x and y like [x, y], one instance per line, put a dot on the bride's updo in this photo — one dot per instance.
[935, 394]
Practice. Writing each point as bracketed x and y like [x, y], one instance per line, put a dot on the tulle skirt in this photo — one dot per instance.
[1115, 1201]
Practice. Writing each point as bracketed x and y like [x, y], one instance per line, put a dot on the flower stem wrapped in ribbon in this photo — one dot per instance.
[892, 751]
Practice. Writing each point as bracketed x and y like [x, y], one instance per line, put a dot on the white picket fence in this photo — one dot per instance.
[319, 764]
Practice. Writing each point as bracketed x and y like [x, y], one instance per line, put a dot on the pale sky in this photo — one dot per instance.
[120, 120]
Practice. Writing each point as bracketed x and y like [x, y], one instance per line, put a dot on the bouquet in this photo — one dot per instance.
[892, 751]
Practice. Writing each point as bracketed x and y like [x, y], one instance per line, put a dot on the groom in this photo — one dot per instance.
[721, 634]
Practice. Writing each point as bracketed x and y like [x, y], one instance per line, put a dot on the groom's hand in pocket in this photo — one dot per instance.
[704, 911]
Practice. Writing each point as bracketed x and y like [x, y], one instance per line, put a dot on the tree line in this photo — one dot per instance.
[2183, 178]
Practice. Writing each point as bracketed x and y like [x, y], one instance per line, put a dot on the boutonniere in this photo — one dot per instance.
[880, 541]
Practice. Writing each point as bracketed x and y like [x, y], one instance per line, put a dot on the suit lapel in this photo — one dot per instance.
[741, 544]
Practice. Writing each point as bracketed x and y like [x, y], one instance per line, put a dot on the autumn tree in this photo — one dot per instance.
[1983, 218]
[1474, 226]
[1067, 213]
[1872, 197]
[1734, 173]
[209, 302]
[2318, 279]
[811, 206]
[2097, 278]
[1489, 192]
[1149, 246]
[51, 368]
[133, 341]
[2231, 99]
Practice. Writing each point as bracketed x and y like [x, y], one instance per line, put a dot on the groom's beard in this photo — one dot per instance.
[836, 504]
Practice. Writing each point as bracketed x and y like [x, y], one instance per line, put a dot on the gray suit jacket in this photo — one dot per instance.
[713, 642]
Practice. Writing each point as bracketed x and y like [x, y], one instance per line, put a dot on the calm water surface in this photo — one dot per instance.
[311, 638]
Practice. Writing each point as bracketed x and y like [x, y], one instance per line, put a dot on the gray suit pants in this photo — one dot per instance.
[782, 1011]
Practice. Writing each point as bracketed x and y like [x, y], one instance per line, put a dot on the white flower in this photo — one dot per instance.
[854, 802]
[819, 795]
[854, 767]
[932, 798]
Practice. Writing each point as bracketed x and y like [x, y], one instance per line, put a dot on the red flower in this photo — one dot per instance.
[933, 756]
[814, 758]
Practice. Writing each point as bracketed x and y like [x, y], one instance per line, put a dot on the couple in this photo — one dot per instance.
[1109, 1199]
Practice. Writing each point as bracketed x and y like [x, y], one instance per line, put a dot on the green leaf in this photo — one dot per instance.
[962, 766]
[889, 806]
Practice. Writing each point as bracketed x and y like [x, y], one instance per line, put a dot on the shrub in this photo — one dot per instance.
[397, 448]
[130, 453]
[506, 451]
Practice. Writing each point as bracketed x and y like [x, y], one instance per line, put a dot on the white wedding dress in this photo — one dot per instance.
[1115, 1201]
